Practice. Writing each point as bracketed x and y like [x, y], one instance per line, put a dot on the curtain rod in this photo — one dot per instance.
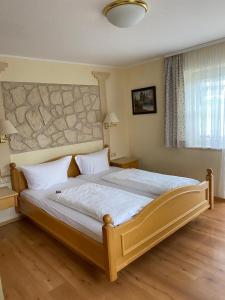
[196, 47]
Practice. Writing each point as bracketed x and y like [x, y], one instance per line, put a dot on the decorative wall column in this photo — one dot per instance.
[4, 148]
[102, 77]
[3, 66]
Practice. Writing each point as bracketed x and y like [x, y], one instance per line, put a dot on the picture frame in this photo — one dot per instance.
[144, 101]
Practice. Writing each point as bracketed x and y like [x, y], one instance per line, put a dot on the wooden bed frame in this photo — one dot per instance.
[124, 243]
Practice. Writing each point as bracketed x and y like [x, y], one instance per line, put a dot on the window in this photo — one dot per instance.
[204, 81]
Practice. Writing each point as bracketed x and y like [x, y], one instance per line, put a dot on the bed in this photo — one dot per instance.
[110, 247]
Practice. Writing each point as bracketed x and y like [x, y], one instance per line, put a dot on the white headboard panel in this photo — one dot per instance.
[39, 156]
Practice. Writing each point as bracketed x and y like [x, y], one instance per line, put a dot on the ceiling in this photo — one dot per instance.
[77, 31]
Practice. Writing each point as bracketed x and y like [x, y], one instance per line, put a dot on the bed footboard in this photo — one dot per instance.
[161, 218]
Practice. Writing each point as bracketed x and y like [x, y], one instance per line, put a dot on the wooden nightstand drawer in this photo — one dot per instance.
[125, 163]
[7, 203]
[7, 198]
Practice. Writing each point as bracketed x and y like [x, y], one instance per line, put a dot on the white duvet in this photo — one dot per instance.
[147, 181]
[96, 200]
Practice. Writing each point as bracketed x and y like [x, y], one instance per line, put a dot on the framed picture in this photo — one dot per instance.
[144, 101]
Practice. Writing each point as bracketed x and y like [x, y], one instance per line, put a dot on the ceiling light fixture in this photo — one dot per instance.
[125, 13]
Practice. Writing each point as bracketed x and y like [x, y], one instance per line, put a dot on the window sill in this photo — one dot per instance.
[199, 148]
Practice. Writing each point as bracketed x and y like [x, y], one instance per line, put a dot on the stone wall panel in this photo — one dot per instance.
[51, 115]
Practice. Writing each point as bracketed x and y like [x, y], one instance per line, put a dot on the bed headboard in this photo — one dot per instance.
[19, 182]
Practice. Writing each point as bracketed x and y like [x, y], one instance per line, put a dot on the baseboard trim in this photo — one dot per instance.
[11, 221]
[219, 199]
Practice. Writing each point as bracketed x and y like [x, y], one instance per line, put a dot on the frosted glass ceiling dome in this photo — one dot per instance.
[125, 13]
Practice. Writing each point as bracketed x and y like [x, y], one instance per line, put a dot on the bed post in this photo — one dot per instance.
[209, 178]
[13, 176]
[108, 240]
[14, 182]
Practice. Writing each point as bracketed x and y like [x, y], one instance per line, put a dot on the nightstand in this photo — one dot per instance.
[8, 198]
[125, 163]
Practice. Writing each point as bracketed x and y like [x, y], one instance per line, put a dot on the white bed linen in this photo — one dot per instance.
[93, 163]
[43, 176]
[77, 220]
[96, 200]
[146, 181]
[98, 179]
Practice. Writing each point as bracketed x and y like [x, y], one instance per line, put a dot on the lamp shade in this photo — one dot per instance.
[7, 128]
[111, 119]
[126, 13]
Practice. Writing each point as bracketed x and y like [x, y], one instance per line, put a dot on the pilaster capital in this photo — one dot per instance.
[3, 66]
[101, 76]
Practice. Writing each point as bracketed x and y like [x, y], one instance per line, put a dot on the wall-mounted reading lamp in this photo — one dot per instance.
[110, 120]
[6, 129]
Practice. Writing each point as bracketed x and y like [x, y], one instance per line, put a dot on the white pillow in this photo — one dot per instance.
[43, 176]
[94, 163]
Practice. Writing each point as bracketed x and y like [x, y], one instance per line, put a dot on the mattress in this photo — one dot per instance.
[75, 219]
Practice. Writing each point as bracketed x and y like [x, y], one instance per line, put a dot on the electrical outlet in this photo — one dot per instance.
[5, 181]
[113, 155]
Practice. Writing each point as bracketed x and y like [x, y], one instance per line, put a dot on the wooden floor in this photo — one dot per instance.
[188, 265]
